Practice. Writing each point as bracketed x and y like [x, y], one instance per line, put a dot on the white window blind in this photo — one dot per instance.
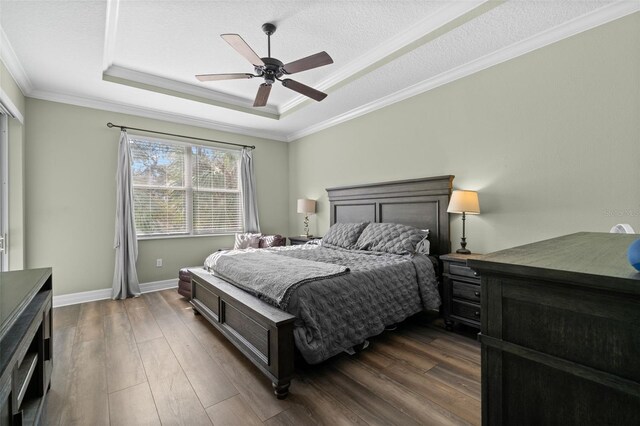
[185, 189]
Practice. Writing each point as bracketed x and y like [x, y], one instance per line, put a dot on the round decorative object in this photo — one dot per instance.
[633, 254]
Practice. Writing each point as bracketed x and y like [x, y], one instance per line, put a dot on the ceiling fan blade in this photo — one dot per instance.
[263, 95]
[216, 77]
[303, 89]
[242, 48]
[310, 62]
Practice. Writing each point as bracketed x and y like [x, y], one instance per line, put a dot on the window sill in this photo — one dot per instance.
[170, 237]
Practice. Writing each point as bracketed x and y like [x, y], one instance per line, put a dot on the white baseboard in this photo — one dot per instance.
[105, 293]
[158, 285]
[81, 297]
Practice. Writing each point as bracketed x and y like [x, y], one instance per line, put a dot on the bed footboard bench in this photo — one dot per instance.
[263, 333]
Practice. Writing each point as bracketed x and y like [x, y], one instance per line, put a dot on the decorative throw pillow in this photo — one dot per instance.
[390, 238]
[247, 240]
[344, 235]
[272, 241]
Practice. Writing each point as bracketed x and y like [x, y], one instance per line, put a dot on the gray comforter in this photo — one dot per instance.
[337, 313]
[269, 276]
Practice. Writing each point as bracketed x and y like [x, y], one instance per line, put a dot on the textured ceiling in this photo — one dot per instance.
[141, 56]
[187, 35]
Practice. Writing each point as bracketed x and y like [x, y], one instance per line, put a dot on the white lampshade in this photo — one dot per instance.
[306, 206]
[464, 202]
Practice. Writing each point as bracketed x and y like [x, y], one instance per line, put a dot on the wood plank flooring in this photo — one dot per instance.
[150, 361]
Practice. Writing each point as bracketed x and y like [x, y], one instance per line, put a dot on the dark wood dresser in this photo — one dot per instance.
[561, 333]
[460, 291]
[26, 346]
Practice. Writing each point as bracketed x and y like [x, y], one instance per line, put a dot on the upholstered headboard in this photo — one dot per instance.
[421, 203]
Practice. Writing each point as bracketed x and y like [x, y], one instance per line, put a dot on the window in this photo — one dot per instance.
[181, 189]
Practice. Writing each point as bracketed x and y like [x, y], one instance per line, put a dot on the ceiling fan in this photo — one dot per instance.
[271, 69]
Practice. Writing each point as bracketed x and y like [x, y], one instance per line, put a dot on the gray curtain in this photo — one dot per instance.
[125, 277]
[251, 221]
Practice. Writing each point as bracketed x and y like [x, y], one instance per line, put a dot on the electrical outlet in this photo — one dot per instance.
[159, 263]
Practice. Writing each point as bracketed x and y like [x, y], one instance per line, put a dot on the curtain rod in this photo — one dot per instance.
[110, 125]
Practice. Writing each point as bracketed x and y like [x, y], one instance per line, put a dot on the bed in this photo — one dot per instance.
[265, 333]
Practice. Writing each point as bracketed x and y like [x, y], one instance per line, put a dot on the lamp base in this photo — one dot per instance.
[463, 242]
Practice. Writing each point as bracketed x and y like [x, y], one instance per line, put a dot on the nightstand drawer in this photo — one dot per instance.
[463, 290]
[462, 270]
[460, 291]
[466, 310]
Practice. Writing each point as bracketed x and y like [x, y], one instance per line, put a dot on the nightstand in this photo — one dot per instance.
[460, 291]
[301, 239]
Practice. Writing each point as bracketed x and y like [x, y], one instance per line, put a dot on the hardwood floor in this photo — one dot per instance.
[151, 361]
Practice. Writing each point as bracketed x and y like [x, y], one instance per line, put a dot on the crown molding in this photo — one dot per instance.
[394, 45]
[575, 26]
[155, 114]
[155, 83]
[11, 61]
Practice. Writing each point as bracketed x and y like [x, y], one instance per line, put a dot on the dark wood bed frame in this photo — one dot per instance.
[263, 333]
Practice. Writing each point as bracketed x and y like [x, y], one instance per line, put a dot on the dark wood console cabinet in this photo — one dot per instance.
[26, 346]
[561, 333]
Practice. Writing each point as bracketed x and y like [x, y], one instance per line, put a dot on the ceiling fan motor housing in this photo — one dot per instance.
[271, 70]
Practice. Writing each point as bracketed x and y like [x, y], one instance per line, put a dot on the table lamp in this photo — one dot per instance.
[307, 207]
[465, 202]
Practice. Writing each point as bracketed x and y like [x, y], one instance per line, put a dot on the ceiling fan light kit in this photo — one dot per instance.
[271, 69]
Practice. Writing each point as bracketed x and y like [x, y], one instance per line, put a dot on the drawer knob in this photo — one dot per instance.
[475, 274]
[477, 313]
[477, 293]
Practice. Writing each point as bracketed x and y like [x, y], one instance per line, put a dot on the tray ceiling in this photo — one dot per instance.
[140, 57]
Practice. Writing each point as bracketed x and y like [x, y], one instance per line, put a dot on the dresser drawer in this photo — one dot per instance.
[470, 311]
[462, 270]
[465, 290]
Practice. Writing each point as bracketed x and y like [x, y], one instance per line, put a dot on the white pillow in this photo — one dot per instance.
[424, 245]
[247, 240]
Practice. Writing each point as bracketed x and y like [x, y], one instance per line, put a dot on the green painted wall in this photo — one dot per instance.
[70, 203]
[551, 140]
[16, 231]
